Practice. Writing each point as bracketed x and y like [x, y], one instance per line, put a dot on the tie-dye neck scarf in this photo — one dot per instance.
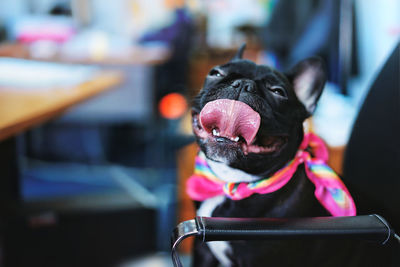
[329, 188]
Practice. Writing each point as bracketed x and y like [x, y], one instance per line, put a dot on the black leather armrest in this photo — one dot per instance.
[370, 227]
[367, 227]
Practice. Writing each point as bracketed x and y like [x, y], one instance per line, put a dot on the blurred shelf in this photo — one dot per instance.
[133, 55]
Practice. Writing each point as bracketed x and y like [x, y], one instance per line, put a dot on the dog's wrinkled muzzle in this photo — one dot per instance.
[230, 119]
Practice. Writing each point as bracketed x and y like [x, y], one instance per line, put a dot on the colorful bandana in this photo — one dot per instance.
[329, 188]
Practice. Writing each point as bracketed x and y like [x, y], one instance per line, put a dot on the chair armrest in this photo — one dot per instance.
[372, 228]
[369, 227]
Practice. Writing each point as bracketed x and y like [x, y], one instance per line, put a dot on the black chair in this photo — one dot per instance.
[372, 159]
[371, 169]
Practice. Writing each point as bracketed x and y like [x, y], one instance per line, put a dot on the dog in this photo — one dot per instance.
[248, 122]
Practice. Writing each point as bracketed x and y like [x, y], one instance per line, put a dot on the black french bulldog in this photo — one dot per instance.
[234, 147]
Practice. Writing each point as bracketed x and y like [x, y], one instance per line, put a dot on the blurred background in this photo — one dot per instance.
[95, 134]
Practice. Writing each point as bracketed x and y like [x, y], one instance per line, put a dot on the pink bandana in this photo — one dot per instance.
[329, 188]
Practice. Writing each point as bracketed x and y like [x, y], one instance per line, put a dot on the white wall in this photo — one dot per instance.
[378, 32]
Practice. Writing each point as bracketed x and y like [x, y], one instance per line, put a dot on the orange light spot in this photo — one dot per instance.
[172, 106]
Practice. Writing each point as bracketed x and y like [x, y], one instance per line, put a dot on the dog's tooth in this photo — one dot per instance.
[215, 132]
[235, 139]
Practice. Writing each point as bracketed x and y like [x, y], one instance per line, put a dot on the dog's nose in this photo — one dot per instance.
[246, 85]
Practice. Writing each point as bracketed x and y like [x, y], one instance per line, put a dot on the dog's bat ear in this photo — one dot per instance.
[308, 78]
[239, 53]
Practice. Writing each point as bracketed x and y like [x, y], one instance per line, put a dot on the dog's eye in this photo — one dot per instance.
[278, 90]
[215, 73]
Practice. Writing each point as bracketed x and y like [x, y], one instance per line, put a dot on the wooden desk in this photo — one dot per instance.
[136, 62]
[20, 110]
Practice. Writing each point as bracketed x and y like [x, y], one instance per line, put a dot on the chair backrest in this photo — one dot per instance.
[372, 160]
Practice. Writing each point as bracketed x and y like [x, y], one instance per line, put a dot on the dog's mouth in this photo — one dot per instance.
[234, 124]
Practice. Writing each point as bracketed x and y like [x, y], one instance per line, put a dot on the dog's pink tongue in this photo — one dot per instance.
[231, 119]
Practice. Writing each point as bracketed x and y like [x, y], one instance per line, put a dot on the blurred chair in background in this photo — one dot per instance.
[372, 159]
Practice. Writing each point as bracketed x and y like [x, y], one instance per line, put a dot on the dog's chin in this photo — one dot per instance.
[223, 151]
[231, 150]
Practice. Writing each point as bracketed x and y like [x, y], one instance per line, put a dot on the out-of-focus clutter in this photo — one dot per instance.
[172, 106]
[101, 184]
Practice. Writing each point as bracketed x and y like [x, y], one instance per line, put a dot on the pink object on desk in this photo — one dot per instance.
[32, 29]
